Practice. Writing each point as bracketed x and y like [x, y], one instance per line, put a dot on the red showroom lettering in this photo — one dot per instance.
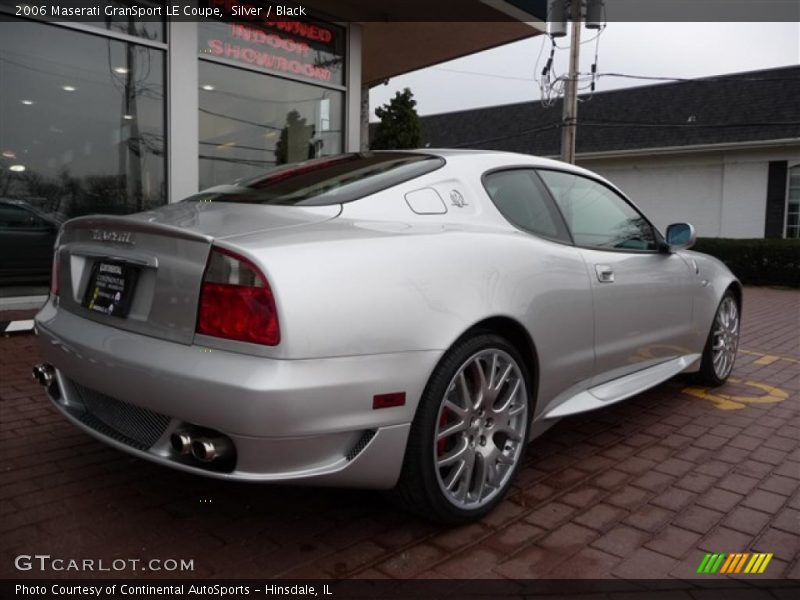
[315, 33]
[251, 34]
[306, 30]
[264, 59]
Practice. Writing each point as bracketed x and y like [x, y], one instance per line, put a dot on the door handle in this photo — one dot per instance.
[605, 274]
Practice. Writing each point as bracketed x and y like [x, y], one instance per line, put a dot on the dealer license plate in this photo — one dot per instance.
[110, 289]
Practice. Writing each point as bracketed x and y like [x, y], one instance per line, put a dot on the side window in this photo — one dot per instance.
[15, 217]
[597, 216]
[521, 198]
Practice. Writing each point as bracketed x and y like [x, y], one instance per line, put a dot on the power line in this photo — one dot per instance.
[506, 137]
[709, 79]
[528, 79]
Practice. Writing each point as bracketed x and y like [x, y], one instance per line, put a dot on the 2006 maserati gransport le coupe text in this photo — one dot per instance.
[405, 320]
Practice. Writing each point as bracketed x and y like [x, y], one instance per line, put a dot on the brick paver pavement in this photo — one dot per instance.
[640, 490]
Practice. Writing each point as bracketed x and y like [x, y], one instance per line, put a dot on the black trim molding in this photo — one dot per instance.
[776, 199]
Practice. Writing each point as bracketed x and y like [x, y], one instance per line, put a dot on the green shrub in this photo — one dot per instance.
[758, 261]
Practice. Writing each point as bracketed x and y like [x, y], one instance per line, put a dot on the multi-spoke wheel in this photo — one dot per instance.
[480, 431]
[723, 341]
[470, 431]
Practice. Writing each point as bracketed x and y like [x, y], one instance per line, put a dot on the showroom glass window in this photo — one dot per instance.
[271, 93]
[81, 121]
[597, 216]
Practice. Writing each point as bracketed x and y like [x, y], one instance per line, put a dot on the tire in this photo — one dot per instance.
[468, 437]
[717, 362]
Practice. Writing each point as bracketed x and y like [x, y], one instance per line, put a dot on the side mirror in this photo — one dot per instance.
[680, 236]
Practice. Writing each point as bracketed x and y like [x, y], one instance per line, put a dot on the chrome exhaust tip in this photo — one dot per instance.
[181, 442]
[210, 449]
[44, 374]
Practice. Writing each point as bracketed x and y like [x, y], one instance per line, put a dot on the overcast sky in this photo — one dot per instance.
[506, 74]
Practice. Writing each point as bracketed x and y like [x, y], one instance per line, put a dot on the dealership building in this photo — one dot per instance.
[722, 153]
[117, 115]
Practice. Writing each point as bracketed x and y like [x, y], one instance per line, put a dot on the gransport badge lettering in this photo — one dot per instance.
[121, 237]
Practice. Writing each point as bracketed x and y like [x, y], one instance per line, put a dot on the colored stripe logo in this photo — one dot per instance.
[735, 562]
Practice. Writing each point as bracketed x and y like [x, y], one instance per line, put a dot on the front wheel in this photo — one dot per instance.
[719, 353]
[469, 434]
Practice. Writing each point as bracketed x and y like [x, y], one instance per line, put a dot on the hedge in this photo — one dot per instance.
[757, 261]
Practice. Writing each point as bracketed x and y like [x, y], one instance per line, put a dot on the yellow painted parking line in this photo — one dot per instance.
[733, 402]
[767, 359]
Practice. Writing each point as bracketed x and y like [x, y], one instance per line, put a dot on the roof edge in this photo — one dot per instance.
[671, 150]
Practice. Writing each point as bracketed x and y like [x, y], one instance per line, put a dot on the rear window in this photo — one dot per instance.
[325, 181]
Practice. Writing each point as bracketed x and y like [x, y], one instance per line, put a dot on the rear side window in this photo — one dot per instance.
[326, 181]
[522, 199]
[597, 216]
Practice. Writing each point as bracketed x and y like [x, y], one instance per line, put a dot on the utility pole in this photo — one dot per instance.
[569, 127]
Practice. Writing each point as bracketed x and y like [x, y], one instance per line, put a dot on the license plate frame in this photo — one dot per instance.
[111, 287]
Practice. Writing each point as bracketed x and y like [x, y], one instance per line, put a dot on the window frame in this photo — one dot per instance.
[659, 238]
[548, 196]
[789, 167]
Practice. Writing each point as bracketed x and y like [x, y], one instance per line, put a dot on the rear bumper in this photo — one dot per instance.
[289, 420]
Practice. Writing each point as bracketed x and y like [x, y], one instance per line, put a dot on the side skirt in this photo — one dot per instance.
[620, 389]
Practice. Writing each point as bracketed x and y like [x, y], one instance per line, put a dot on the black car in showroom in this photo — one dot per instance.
[27, 237]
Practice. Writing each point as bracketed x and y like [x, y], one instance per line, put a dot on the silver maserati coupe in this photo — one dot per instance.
[389, 320]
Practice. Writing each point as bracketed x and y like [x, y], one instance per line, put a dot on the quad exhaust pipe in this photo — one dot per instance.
[204, 448]
[44, 374]
[209, 449]
[204, 445]
[181, 442]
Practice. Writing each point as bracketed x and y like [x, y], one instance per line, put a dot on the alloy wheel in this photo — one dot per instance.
[480, 429]
[725, 337]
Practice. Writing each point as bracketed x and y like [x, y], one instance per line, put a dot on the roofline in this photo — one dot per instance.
[671, 150]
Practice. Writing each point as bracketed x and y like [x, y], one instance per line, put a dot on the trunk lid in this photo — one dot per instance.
[167, 249]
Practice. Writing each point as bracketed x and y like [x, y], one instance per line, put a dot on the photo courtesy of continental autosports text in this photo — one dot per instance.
[400, 299]
[169, 591]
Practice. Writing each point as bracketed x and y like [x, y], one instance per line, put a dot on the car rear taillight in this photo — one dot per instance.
[54, 273]
[236, 302]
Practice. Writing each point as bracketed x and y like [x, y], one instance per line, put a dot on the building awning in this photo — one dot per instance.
[404, 35]
[390, 49]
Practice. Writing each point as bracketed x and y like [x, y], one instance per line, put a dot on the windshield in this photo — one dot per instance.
[325, 181]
